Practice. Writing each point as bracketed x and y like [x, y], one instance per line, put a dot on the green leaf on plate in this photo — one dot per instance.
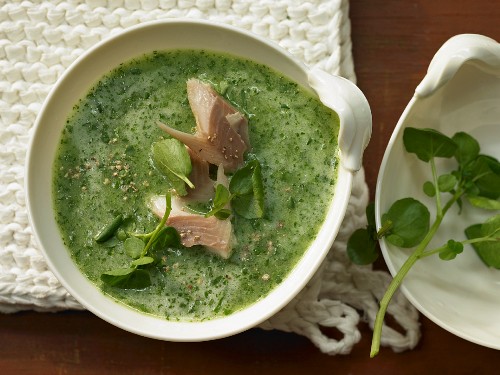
[488, 252]
[467, 148]
[484, 172]
[429, 189]
[428, 143]
[410, 222]
[452, 249]
[485, 203]
[491, 227]
[447, 182]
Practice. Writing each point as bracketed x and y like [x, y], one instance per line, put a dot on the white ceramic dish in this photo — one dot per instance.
[461, 92]
[340, 94]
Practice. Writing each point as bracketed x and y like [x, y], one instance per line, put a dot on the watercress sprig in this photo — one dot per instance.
[245, 193]
[407, 222]
[221, 199]
[138, 247]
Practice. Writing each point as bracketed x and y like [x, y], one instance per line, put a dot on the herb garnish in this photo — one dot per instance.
[138, 247]
[221, 199]
[407, 223]
[246, 194]
[172, 159]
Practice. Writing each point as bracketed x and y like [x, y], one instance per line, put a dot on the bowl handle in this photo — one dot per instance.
[347, 100]
[452, 55]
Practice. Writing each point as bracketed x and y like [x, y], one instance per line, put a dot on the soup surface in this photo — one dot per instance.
[104, 168]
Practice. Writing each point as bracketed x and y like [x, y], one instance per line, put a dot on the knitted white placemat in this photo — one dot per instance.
[39, 39]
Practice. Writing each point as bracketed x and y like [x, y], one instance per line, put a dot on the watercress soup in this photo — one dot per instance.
[105, 176]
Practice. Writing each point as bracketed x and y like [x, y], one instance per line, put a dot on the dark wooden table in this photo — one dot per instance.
[393, 41]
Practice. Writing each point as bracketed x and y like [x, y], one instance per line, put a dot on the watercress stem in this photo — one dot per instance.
[436, 186]
[395, 284]
[437, 250]
[403, 271]
[384, 229]
[159, 227]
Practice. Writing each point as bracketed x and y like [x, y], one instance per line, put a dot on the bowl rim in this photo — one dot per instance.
[159, 328]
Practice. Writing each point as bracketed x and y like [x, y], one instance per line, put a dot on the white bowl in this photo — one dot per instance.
[461, 92]
[165, 35]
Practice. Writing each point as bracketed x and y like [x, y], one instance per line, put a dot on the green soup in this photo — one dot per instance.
[103, 168]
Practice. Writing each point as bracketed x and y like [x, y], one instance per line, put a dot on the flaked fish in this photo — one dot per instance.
[194, 229]
[221, 136]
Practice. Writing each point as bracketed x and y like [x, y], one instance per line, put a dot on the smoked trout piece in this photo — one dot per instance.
[214, 234]
[194, 229]
[221, 136]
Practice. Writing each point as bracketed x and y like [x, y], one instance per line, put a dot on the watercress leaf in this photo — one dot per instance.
[222, 196]
[241, 182]
[395, 240]
[467, 148]
[221, 199]
[493, 163]
[258, 188]
[139, 279]
[142, 261]
[485, 172]
[223, 214]
[471, 189]
[361, 247]
[447, 182]
[428, 143]
[455, 246]
[488, 252]
[411, 220]
[167, 237]
[452, 249]
[485, 203]
[120, 272]
[429, 189]
[112, 242]
[491, 227]
[247, 206]
[447, 254]
[248, 191]
[127, 278]
[121, 235]
[172, 159]
[133, 247]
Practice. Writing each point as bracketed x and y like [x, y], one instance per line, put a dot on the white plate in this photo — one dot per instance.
[461, 92]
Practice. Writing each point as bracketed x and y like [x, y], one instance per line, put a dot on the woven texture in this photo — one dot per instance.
[38, 40]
